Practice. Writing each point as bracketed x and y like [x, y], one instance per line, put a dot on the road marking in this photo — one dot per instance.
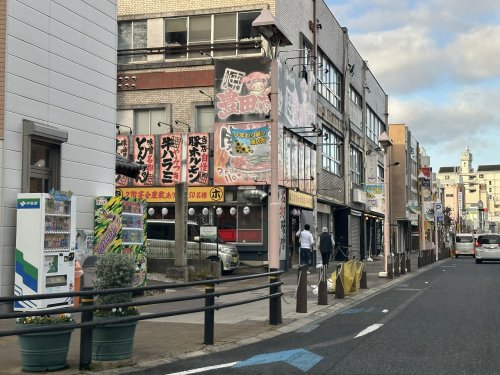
[299, 358]
[368, 330]
[202, 369]
[385, 311]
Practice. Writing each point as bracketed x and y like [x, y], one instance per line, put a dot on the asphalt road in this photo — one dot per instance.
[442, 321]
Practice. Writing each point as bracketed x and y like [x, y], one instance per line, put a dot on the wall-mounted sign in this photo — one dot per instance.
[167, 194]
[144, 153]
[299, 199]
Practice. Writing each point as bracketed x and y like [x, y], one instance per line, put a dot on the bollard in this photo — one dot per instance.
[322, 287]
[339, 287]
[301, 306]
[209, 314]
[274, 303]
[403, 264]
[86, 334]
[363, 283]
[396, 264]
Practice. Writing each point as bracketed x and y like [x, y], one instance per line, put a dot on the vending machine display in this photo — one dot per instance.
[45, 243]
[120, 227]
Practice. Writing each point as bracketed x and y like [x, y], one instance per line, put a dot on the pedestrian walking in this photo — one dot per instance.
[306, 241]
[326, 245]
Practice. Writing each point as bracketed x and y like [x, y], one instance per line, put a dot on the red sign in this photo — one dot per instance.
[198, 147]
[144, 153]
[170, 159]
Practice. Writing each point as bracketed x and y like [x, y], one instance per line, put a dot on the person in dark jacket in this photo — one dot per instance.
[326, 245]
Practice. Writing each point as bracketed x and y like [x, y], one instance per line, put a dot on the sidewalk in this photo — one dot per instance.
[165, 340]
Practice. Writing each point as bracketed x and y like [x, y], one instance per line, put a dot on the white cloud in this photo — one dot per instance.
[475, 55]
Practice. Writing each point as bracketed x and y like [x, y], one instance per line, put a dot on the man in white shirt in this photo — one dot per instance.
[306, 241]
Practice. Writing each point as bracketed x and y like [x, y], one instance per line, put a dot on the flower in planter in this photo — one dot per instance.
[46, 319]
[126, 311]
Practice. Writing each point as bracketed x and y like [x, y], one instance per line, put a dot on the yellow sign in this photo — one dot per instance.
[163, 194]
[300, 199]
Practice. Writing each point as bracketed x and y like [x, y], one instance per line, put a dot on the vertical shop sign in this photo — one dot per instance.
[122, 144]
[170, 159]
[144, 153]
[198, 159]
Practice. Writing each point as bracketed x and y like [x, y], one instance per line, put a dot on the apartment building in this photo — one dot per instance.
[57, 109]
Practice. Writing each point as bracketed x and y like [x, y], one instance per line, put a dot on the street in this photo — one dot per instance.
[442, 321]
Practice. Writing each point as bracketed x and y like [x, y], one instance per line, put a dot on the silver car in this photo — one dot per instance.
[487, 247]
[463, 244]
[161, 244]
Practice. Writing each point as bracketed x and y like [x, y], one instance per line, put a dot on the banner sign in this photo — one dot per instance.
[122, 143]
[198, 147]
[144, 153]
[167, 194]
[170, 159]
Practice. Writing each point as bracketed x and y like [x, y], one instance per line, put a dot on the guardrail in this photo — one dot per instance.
[87, 307]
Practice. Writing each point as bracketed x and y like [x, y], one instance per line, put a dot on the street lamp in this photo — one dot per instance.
[386, 144]
[269, 28]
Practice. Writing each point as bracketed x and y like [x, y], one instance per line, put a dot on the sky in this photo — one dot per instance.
[439, 62]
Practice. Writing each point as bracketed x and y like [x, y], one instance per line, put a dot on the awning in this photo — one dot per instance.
[127, 167]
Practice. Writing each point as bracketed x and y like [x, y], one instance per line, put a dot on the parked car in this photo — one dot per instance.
[487, 247]
[463, 244]
[161, 244]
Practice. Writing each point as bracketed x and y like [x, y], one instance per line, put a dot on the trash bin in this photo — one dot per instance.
[78, 276]
[89, 273]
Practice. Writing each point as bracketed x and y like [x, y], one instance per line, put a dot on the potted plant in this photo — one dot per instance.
[44, 351]
[112, 342]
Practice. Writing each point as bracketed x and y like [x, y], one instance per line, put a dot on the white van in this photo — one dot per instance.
[463, 244]
[161, 244]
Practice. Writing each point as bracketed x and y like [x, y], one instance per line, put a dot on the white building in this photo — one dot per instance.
[57, 108]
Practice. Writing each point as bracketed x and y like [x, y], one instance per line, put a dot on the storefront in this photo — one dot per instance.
[300, 213]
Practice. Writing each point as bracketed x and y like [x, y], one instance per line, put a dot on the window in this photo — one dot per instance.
[450, 195]
[225, 34]
[330, 82]
[446, 177]
[374, 125]
[355, 97]
[205, 119]
[332, 153]
[241, 227]
[146, 121]
[356, 166]
[480, 176]
[41, 169]
[132, 35]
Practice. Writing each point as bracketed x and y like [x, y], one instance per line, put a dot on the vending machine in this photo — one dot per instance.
[120, 227]
[45, 244]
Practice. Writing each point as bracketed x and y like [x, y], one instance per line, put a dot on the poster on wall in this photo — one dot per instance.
[198, 145]
[242, 89]
[242, 154]
[122, 143]
[144, 153]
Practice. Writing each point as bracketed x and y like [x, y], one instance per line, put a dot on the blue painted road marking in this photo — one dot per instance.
[299, 358]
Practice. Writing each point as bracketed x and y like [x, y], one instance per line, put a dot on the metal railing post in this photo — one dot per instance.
[86, 334]
[209, 314]
[275, 315]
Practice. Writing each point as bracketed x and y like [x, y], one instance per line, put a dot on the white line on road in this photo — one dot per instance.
[202, 369]
[385, 311]
[369, 329]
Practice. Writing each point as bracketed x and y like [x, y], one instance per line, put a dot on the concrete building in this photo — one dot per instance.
[57, 108]
[172, 62]
[473, 195]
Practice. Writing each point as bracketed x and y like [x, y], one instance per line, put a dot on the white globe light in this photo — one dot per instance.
[232, 211]
[218, 211]
[151, 211]
[191, 211]
[205, 211]
[246, 210]
[164, 211]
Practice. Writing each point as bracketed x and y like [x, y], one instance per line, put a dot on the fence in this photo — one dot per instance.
[87, 308]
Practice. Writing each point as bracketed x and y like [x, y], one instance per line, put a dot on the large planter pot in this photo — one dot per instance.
[44, 351]
[113, 342]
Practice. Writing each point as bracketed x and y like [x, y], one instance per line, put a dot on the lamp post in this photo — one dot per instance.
[268, 27]
[386, 143]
